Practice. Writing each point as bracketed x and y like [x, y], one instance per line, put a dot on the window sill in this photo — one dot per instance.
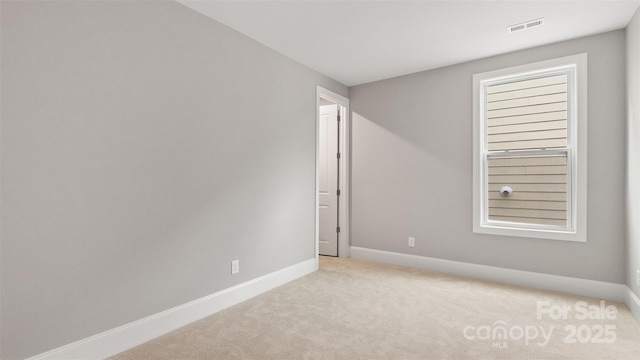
[545, 234]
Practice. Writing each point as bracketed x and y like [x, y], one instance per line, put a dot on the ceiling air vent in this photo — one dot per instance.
[525, 25]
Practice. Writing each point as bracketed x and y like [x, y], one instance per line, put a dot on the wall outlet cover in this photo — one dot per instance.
[412, 242]
[235, 267]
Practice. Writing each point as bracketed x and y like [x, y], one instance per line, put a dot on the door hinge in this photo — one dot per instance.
[338, 229]
[338, 192]
[338, 155]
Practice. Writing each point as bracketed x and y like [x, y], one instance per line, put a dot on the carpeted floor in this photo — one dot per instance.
[353, 309]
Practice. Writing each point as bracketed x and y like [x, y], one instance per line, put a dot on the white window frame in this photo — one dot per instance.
[575, 67]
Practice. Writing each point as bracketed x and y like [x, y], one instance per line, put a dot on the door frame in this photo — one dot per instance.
[344, 143]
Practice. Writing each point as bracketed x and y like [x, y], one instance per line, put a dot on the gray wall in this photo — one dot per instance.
[633, 154]
[412, 166]
[144, 147]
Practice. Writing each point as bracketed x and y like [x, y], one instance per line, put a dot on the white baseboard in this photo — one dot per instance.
[564, 284]
[633, 303]
[114, 341]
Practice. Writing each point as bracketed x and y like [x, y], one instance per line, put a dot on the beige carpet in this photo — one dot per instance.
[358, 310]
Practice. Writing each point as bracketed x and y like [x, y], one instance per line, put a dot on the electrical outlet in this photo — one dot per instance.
[235, 267]
[412, 241]
[638, 277]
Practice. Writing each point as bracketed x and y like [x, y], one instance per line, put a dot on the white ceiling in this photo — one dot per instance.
[356, 42]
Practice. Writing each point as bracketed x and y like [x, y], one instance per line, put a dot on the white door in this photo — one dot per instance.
[328, 180]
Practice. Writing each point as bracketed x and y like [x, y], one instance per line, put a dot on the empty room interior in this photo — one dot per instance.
[320, 179]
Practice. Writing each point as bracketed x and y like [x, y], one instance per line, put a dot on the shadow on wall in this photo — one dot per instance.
[394, 168]
[412, 169]
[431, 110]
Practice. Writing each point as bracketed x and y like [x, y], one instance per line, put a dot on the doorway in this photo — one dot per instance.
[332, 174]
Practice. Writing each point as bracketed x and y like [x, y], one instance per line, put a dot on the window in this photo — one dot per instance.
[530, 150]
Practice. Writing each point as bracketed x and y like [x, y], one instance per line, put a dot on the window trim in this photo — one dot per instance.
[576, 67]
